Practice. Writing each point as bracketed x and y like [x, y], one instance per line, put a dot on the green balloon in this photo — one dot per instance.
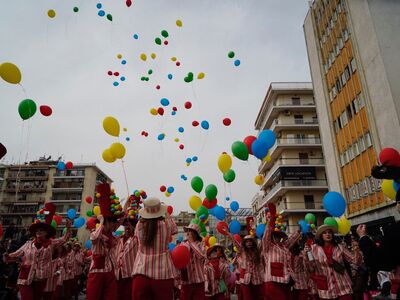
[26, 109]
[54, 223]
[89, 213]
[202, 211]
[157, 41]
[203, 234]
[164, 33]
[229, 176]
[197, 184]
[202, 227]
[150, 72]
[109, 17]
[240, 150]
[231, 54]
[211, 191]
[195, 221]
[310, 218]
[331, 222]
[76, 9]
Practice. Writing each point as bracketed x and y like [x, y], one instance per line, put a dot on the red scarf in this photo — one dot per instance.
[215, 264]
[39, 244]
[328, 249]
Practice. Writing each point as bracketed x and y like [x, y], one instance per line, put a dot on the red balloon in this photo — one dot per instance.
[58, 219]
[45, 110]
[195, 123]
[180, 256]
[210, 204]
[128, 3]
[178, 63]
[181, 146]
[237, 238]
[174, 108]
[88, 253]
[157, 87]
[109, 73]
[91, 223]
[206, 240]
[226, 121]
[188, 105]
[389, 157]
[170, 209]
[89, 199]
[222, 228]
[163, 188]
[248, 140]
[165, 43]
[69, 165]
[160, 111]
[116, 73]
[146, 134]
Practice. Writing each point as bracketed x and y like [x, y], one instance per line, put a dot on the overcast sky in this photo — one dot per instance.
[64, 63]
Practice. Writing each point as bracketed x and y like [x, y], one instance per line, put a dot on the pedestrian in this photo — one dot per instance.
[300, 274]
[78, 264]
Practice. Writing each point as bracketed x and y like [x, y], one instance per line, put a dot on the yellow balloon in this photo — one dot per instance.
[173, 58]
[96, 210]
[344, 225]
[224, 162]
[267, 158]
[111, 126]
[143, 57]
[235, 249]
[51, 13]
[117, 150]
[200, 75]
[124, 129]
[119, 56]
[388, 189]
[178, 23]
[10, 73]
[154, 112]
[212, 241]
[177, 140]
[153, 55]
[97, 225]
[259, 179]
[195, 202]
[108, 157]
[167, 194]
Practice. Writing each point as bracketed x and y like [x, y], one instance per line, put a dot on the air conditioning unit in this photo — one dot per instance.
[287, 112]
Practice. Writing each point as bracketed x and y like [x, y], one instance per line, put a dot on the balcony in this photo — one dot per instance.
[26, 189]
[14, 177]
[69, 174]
[55, 201]
[278, 125]
[299, 208]
[286, 185]
[67, 189]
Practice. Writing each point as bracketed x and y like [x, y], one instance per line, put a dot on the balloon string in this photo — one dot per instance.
[23, 90]
[126, 179]
[17, 179]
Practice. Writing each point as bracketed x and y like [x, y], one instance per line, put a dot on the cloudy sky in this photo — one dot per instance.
[65, 60]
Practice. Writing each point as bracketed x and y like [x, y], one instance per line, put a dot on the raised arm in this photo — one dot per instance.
[65, 237]
[19, 252]
[198, 250]
[95, 235]
[171, 224]
[354, 256]
[266, 240]
[292, 239]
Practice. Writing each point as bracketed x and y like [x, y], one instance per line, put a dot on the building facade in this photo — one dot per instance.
[295, 177]
[25, 188]
[353, 51]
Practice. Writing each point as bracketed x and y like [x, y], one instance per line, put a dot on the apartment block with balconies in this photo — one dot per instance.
[295, 177]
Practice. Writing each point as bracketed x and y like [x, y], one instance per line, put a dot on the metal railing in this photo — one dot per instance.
[295, 122]
[295, 141]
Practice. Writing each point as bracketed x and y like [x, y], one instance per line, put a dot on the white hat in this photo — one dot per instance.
[153, 208]
[324, 228]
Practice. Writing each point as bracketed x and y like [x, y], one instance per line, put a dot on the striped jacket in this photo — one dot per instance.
[126, 253]
[300, 275]
[195, 268]
[51, 282]
[79, 262]
[213, 285]
[103, 258]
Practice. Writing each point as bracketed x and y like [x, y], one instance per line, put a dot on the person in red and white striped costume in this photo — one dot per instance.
[192, 277]
[153, 271]
[69, 276]
[60, 272]
[51, 282]
[79, 262]
[126, 253]
[301, 276]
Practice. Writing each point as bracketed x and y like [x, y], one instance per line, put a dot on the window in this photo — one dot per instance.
[336, 126]
[339, 123]
[368, 141]
[345, 34]
[337, 50]
[339, 8]
[343, 118]
[309, 202]
[357, 191]
[361, 102]
[372, 184]
[349, 112]
[298, 119]
[343, 76]
[353, 65]
[334, 16]
[296, 100]
[361, 144]
[339, 84]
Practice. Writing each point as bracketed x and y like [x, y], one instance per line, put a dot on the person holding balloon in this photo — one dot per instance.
[36, 254]
[325, 259]
[78, 264]
[153, 271]
[192, 277]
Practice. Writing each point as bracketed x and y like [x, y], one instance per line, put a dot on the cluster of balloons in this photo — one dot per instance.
[102, 13]
[174, 59]
[236, 62]
[115, 204]
[116, 150]
[183, 177]
[168, 191]
[335, 205]
[189, 160]
[27, 109]
[224, 165]
[116, 83]
[164, 36]
[390, 157]
[190, 76]
[61, 166]
[308, 223]
[135, 201]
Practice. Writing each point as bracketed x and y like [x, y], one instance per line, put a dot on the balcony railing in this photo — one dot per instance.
[295, 122]
[26, 189]
[289, 105]
[14, 177]
[67, 189]
[72, 173]
[298, 141]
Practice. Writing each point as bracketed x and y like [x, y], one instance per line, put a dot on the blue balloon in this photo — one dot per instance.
[101, 13]
[195, 158]
[122, 78]
[303, 225]
[170, 189]
[123, 62]
[205, 125]
[234, 205]
[234, 227]
[268, 136]
[135, 36]
[396, 186]
[259, 148]
[171, 246]
[71, 213]
[260, 230]
[78, 223]
[61, 166]
[188, 160]
[88, 244]
[127, 138]
[231, 267]
[170, 76]
[237, 63]
[173, 113]
[227, 198]
[334, 204]
[181, 129]
[98, 5]
[180, 237]
[219, 212]
[164, 102]
[116, 83]
[161, 136]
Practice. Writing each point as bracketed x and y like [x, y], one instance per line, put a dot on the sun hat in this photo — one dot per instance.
[193, 227]
[323, 228]
[153, 208]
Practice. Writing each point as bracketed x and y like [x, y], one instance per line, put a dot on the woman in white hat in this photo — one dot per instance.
[192, 277]
[327, 264]
[153, 271]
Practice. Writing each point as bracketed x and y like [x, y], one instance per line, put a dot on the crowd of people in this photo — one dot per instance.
[139, 265]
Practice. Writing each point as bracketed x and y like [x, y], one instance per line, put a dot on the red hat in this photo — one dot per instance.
[108, 202]
[43, 220]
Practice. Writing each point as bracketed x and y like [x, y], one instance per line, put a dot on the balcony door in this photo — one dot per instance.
[303, 157]
[309, 202]
[295, 100]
